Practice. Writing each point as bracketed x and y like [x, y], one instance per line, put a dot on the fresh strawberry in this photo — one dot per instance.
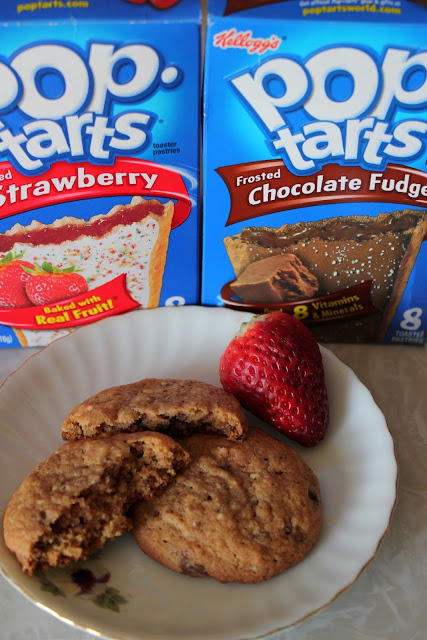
[274, 368]
[48, 284]
[12, 281]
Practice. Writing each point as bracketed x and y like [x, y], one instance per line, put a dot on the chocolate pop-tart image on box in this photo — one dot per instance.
[275, 279]
[329, 256]
[315, 182]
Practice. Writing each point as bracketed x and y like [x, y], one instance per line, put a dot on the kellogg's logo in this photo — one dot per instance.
[233, 39]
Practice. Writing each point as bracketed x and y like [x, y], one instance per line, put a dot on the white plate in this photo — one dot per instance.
[124, 594]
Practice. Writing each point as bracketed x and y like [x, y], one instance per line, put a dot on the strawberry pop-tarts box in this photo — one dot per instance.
[99, 162]
[315, 183]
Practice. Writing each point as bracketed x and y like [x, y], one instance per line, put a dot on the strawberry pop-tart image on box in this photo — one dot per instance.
[43, 264]
[131, 239]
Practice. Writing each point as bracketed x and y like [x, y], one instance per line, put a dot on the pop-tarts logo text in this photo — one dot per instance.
[356, 108]
[65, 96]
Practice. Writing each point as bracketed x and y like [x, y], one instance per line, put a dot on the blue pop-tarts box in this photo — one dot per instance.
[315, 184]
[99, 162]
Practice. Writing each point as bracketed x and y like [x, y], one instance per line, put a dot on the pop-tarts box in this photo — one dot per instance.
[99, 162]
[315, 184]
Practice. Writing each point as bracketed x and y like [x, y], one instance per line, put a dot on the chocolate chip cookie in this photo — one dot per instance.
[79, 498]
[240, 512]
[177, 407]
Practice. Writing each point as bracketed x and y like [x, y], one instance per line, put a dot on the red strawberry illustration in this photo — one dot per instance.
[48, 284]
[159, 4]
[12, 281]
[163, 4]
[274, 368]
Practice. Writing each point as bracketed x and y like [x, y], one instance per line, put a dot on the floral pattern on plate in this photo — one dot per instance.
[80, 580]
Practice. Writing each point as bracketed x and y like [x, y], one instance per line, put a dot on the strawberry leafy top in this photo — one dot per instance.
[48, 269]
[10, 257]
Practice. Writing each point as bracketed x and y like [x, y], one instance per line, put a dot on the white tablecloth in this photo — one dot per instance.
[388, 601]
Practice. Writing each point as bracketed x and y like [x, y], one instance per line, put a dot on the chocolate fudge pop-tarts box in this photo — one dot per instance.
[315, 183]
[99, 162]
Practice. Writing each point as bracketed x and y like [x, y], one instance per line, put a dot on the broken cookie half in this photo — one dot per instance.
[177, 407]
[79, 497]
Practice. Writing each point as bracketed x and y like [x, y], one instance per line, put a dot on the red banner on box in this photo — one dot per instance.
[109, 299]
[264, 187]
[345, 303]
[65, 182]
